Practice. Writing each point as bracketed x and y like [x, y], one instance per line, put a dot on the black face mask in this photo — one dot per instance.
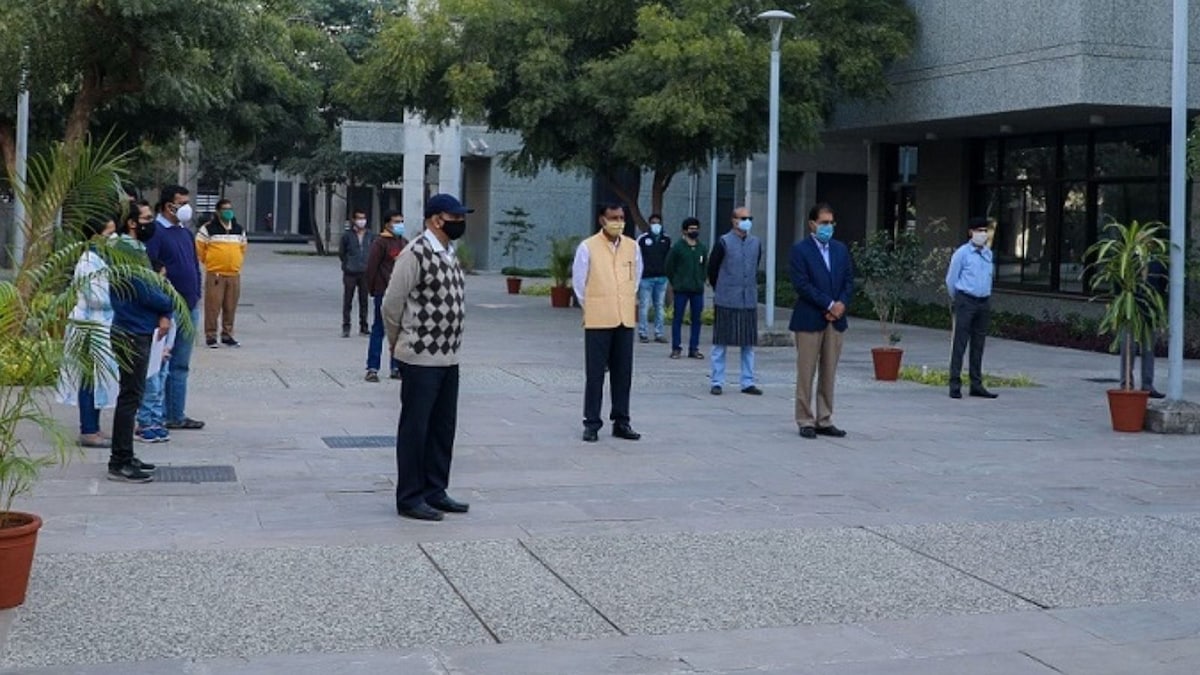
[146, 230]
[691, 235]
[454, 229]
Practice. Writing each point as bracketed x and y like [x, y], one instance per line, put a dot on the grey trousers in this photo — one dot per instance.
[1146, 349]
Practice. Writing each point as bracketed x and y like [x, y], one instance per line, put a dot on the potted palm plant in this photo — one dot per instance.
[889, 268]
[514, 234]
[562, 259]
[81, 182]
[1120, 266]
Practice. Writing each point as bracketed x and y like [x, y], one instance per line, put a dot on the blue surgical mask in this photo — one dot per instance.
[745, 224]
[398, 229]
[656, 229]
[824, 233]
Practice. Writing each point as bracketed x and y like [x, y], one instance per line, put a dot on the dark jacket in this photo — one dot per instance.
[175, 246]
[137, 307]
[381, 259]
[352, 253]
[685, 266]
[817, 285]
[654, 254]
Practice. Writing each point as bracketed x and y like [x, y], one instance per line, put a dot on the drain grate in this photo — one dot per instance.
[344, 442]
[1102, 380]
[221, 473]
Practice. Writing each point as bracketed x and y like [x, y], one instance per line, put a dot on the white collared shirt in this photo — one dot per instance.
[436, 244]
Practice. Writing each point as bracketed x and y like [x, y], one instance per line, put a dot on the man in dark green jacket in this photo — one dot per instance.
[686, 269]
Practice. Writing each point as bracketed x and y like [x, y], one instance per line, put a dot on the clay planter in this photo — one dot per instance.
[1127, 409]
[560, 296]
[514, 285]
[17, 541]
[887, 363]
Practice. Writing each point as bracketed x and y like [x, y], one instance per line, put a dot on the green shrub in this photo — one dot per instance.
[525, 272]
[535, 289]
[940, 377]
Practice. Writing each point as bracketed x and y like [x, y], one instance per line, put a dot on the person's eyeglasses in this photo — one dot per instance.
[830, 223]
[745, 218]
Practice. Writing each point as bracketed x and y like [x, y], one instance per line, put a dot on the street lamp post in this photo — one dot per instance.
[1179, 65]
[21, 167]
[775, 19]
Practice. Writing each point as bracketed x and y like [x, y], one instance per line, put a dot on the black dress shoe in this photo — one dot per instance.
[625, 431]
[808, 432]
[955, 393]
[591, 435]
[752, 390]
[421, 512]
[983, 393]
[449, 505]
[1154, 393]
[831, 431]
[715, 391]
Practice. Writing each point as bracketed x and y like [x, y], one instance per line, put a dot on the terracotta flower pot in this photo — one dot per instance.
[18, 538]
[1127, 409]
[514, 285]
[887, 363]
[560, 296]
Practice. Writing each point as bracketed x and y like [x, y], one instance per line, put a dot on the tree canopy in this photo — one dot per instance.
[617, 87]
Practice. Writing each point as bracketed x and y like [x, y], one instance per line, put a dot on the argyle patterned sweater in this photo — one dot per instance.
[423, 307]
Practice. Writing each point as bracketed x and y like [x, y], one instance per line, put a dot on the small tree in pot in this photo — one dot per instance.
[888, 269]
[1121, 266]
[562, 260]
[514, 234]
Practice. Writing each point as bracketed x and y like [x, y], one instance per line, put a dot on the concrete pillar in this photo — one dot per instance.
[806, 191]
[874, 187]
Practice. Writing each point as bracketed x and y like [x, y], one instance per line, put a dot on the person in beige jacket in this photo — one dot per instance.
[423, 313]
[605, 275]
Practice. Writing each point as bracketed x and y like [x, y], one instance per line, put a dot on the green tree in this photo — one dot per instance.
[617, 88]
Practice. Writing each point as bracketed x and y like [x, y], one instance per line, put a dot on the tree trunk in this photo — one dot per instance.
[630, 199]
[312, 220]
[8, 148]
[662, 180]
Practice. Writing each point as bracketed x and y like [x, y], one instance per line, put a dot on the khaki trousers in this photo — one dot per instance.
[815, 349]
[221, 293]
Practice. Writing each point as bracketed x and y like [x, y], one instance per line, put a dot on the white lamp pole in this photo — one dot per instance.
[21, 167]
[775, 19]
[1179, 66]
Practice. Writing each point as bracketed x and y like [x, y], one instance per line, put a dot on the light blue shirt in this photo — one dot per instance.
[971, 271]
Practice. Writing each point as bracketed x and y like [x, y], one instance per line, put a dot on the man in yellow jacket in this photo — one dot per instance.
[607, 269]
[221, 249]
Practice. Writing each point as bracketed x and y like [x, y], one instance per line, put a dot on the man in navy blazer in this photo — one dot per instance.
[823, 275]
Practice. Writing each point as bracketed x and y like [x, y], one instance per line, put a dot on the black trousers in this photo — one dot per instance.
[610, 348]
[971, 317]
[352, 283]
[425, 437]
[133, 352]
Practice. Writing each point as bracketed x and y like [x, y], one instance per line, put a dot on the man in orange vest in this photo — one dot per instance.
[607, 269]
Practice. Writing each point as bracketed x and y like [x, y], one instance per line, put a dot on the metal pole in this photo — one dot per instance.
[773, 170]
[22, 169]
[275, 205]
[712, 211]
[1179, 64]
[749, 182]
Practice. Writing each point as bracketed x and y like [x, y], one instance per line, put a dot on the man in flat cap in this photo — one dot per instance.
[423, 313]
[969, 281]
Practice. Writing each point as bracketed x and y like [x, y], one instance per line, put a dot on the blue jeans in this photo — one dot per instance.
[89, 417]
[375, 344]
[181, 360]
[150, 412]
[718, 366]
[651, 288]
[697, 303]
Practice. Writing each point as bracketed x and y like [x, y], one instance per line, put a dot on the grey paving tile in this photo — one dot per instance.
[517, 597]
[980, 634]
[675, 583]
[235, 603]
[1069, 562]
[975, 664]
[1137, 622]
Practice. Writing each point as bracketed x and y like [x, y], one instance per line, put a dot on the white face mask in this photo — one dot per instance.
[184, 214]
[979, 238]
[656, 229]
[360, 224]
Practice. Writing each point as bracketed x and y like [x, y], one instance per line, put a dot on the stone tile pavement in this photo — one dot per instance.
[1011, 536]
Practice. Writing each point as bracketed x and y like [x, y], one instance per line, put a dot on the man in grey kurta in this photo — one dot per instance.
[733, 274]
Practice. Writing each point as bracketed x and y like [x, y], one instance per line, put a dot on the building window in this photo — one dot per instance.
[1050, 196]
[900, 165]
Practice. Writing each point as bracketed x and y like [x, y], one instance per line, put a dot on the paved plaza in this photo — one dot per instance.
[1007, 537]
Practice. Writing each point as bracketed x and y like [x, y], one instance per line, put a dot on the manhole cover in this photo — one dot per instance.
[342, 442]
[222, 473]
[1102, 380]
